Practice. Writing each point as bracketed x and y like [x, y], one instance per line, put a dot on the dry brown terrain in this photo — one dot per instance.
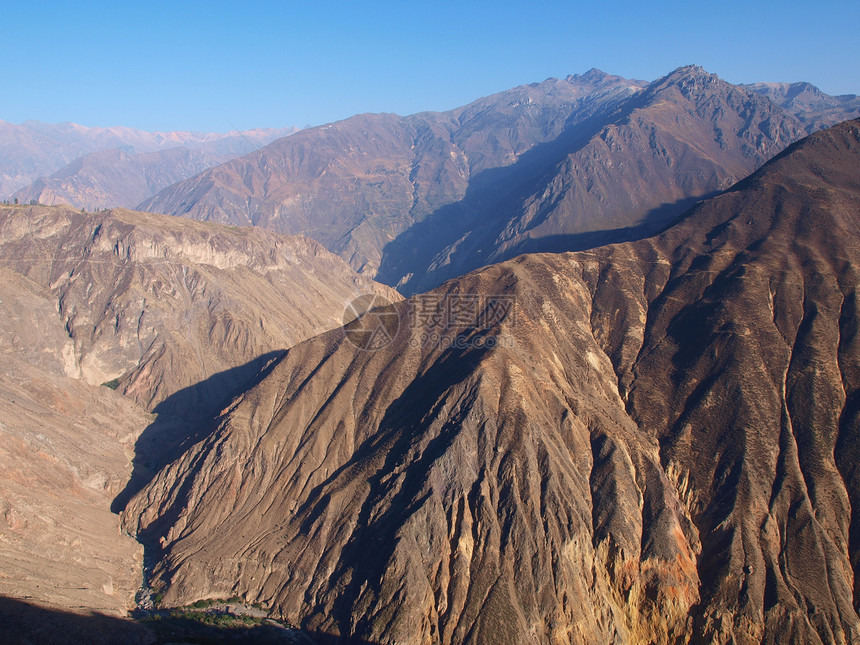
[65, 453]
[658, 443]
[162, 304]
[178, 315]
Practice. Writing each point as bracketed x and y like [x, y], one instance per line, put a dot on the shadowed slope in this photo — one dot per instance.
[23, 623]
[623, 176]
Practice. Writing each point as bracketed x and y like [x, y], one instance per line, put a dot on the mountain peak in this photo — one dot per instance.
[598, 78]
[690, 73]
[694, 84]
[594, 74]
[688, 69]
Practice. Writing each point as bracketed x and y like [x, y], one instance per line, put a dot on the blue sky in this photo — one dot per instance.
[213, 66]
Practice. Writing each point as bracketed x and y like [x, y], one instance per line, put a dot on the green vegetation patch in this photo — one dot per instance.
[208, 627]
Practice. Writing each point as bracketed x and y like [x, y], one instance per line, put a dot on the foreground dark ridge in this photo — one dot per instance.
[658, 445]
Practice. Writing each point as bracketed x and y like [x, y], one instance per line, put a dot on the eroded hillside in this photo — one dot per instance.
[656, 442]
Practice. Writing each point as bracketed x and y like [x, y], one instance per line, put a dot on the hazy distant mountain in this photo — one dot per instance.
[651, 442]
[172, 313]
[33, 149]
[814, 108]
[113, 178]
[559, 165]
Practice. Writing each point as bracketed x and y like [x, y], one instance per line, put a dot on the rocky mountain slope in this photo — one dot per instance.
[685, 136]
[161, 304]
[34, 149]
[358, 184]
[174, 314]
[65, 453]
[560, 165]
[653, 441]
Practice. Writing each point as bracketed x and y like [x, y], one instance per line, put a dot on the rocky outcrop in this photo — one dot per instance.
[65, 453]
[647, 442]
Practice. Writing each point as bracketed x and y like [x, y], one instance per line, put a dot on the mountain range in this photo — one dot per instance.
[560, 165]
[620, 404]
[654, 441]
[114, 178]
[809, 104]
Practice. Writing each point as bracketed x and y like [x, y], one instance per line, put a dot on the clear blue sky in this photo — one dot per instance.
[210, 66]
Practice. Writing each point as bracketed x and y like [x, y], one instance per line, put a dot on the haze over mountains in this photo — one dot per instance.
[114, 178]
[33, 150]
[809, 104]
[658, 443]
[557, 165]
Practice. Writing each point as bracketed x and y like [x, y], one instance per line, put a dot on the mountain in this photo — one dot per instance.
[358, 184]
[654, 441]
[814, 108]
[113, 178]
[559, 165]
[34, 149]
[161, 303]
[177, 315]
[686, 136]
